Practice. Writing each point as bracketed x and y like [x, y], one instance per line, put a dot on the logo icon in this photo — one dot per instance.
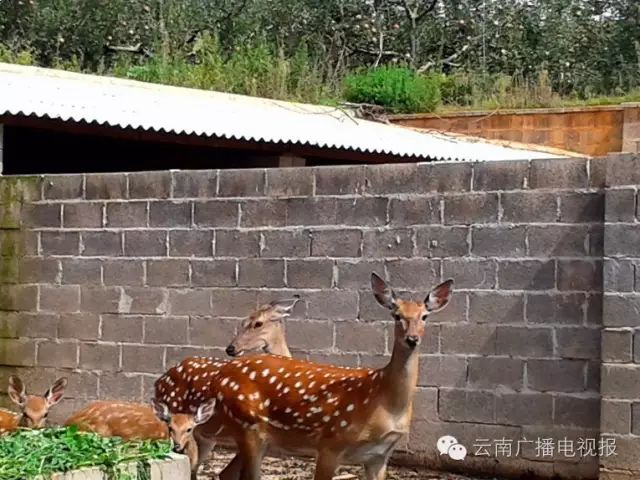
[448, 445]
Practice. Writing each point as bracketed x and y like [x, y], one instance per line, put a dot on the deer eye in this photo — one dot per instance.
[424, 317]
[189, 430]
[396, 317]
[257, 325]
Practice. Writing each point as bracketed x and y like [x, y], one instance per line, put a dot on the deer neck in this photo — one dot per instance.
[279, 346]
[191, 451]
[401, 376]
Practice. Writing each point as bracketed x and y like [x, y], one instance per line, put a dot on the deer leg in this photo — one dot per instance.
[233, 470]
[205, 444]
[376, 469]
[326, 464]
[250, 452]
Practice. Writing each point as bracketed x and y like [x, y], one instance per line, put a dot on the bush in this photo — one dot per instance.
[251, 69]
[397, 89]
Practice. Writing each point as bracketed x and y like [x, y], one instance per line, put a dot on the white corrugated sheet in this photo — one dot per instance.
[128, 104]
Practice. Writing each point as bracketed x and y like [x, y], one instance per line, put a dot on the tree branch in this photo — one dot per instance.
[137, 49]
[447, 61]
[428, 10]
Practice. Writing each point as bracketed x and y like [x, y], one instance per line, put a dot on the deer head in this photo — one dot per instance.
[263, 330]
[181, 425]
[35, 408]
[411, 316]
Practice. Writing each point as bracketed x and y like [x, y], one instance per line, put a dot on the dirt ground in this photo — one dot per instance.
[302, 469]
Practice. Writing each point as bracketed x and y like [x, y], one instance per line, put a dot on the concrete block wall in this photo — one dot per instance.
[621, 319]
[111, 278]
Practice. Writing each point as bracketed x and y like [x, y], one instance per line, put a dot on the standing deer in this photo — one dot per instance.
[341, 415]
[263, 330]
[136, 421]
[34, 408]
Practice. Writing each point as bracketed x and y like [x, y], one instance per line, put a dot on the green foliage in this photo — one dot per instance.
[28, 453]
[499, 54]
[248, 69]
[398, 89]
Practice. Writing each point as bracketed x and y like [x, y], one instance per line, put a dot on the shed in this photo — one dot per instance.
[53, 121]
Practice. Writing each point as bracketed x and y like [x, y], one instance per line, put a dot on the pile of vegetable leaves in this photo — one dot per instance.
[28, 453]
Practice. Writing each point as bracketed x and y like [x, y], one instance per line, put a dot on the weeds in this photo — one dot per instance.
[255, 69]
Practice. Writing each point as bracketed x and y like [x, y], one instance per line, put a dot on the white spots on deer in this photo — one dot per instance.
[272, 379]
[241, 397]
[265, 373]
[252, 376]
[343, 423]
[350, 407]
[224, 381]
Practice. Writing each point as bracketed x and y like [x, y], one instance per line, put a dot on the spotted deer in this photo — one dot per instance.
[340, 415]
[263, 330]
[34, 409]
[137, 421]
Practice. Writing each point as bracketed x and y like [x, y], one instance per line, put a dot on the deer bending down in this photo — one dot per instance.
[341, 415]
[34, 408]
[136, 421]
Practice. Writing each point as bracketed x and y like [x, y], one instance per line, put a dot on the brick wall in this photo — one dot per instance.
[589, 130]
[110, 278]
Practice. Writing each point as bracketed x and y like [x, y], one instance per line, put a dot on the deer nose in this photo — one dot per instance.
[231, 350]
[412, 340]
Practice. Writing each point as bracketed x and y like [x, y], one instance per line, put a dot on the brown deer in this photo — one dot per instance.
[340, 415]
[263, 330]
[34, 409]
[136, 421]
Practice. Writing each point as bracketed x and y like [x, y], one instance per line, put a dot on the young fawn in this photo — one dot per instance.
[340, 415]
[136, 421]
[263, 330]
[34, 408]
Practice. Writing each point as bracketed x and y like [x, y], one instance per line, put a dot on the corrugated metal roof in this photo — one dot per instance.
[122, 103]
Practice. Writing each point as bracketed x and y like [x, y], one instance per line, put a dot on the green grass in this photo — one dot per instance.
[28, 453]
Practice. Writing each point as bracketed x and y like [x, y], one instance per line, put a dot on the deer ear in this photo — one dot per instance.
[17, 392]
[439, 296]
[285, 306]
[161, 410]
[384, 293]
[56, 391]
[205, 411]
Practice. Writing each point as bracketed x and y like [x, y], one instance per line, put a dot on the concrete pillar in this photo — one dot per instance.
[631, 128]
